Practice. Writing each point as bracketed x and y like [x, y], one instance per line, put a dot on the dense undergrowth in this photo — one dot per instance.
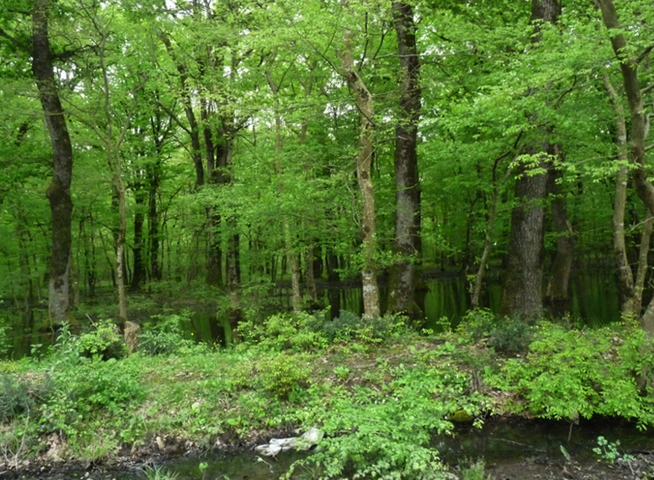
[377, 388]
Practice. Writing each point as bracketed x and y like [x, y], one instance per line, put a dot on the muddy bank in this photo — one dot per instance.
[512, 449]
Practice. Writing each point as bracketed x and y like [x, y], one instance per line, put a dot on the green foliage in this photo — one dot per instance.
[91, 387]
[163, 335]
[4, 339]
[104, 341]
[284, 375]
[572, 373]
[19, 396]
[158, 472]
[505, 335]
[285, 332]
[608, 451]
[385, 434]
[474, 470]
[349, 326]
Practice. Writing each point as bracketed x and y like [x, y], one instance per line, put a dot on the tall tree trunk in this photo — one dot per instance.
[58, 192]
[292, 257]
[214, 240]
[193, 129]
[639, 121]
[153, 221]
[625, 274]
[365, 104]
[522, 294]
[557, 299]
[401, 284]
[121, 233]
[138, 273]
[475, 300]
[522, 289]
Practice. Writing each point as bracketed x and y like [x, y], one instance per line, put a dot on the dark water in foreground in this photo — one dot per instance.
[498, 443]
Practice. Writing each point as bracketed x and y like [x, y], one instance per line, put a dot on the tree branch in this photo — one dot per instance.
[645, 53]
[18, 44]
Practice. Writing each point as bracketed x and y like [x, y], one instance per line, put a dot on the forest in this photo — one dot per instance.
[220, 221]
[216, 150]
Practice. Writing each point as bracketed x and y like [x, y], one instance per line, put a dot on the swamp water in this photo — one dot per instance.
[594, 300]
[510, 449]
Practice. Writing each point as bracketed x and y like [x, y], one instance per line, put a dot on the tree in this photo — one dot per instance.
[406, 245]
[630, 62]
[522, 290]
[58, 193]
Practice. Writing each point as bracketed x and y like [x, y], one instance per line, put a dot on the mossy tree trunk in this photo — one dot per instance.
[406, 245]
[58, 193]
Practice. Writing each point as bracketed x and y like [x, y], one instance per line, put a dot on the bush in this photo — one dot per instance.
[299, 332]
[21, 396]
[509, 336]
[350, 326]
[283, 374]
[570, 374]
[4, 341]
[89, 387]
[163, 337]
[104, 341]
[386, 434]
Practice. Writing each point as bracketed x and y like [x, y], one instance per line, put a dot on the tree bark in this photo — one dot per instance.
[557, 298]
[194, 128]
[365, 104]
[639, 120]
[212, 152]
[153, 173]
[475, 300]
[625, 274]
[522, 291]
[292, 257]
[401, 286]
[58, 192]
[138, 273]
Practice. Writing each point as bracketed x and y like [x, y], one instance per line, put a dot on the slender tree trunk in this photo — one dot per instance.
[120, 191]
[58, 192]
[138, 273]
[296, 294]
[194, 129]
[475, 300]
[401, 286]
[639, 120]
[365, 105]
[557, 298]
[625, 274]
[153, 222]
[333, 290]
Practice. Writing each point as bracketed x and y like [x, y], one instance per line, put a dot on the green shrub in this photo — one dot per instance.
[4, 341]
[505, 335]
[348, 326]
[297, 331]
[386, 434]
[87, 388]
[103, 341]
[163, 335]
[570, 374]
[19, 396]
[283, 374]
